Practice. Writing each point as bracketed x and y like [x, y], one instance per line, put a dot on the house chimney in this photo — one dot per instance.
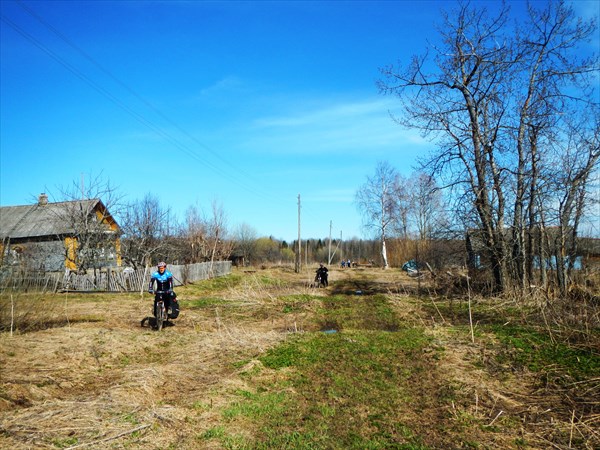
[42, 199]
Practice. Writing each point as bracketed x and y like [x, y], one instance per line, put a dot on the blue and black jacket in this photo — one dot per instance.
[164, 281]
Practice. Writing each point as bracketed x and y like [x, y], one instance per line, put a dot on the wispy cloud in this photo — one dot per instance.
[331, 114]
[354, 126]
[226, 84]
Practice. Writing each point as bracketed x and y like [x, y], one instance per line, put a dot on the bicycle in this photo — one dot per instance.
[160, 312]
[320, 280]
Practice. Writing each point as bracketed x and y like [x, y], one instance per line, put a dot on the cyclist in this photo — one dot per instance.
[321, 276]
[164, 284]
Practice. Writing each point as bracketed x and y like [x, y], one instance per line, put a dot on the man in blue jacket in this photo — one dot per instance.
[164, 286]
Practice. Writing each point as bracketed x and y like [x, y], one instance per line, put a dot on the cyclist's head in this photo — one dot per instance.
[162, 265]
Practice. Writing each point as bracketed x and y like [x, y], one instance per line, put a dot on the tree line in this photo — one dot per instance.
[150, 232]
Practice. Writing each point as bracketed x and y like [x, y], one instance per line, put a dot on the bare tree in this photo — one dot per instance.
[425, 204]
[493, 100]
[146, 226]
[206, 237]
[579, 160]
[404, 205]
[462, 104]
[88, 216]
[245, 241]
[221, 246]
[377, 201]
[195, 236]
[548, 62]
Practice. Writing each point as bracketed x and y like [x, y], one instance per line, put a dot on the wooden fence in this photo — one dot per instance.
[108, 279]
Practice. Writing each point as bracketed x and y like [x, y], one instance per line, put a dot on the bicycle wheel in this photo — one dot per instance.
[160, 315]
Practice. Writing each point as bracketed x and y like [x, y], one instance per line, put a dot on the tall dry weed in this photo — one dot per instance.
[23, 312]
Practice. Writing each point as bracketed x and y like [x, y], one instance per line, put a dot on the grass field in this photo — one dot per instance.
[262, 360]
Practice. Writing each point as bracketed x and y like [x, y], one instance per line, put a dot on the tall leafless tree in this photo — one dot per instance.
[425, 205]
[195, 236]
[377, 201]
[493, 97]
[579, 160]
[146, 226]
[207, 236]
[88, 213]
[218, 238]
[549, 61]
[245, 241]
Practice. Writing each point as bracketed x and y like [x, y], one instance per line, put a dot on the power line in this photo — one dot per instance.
[270, 196]
[148, 123]
[149, 105]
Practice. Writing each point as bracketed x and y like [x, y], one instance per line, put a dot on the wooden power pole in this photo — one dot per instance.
[299, 249]
[329, 256]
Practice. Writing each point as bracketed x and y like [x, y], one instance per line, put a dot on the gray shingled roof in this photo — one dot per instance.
[29, 221]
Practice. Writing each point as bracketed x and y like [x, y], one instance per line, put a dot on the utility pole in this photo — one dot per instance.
[329, 256]
[298, 256]
[306, 253]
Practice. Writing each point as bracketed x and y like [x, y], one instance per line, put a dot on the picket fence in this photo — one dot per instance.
[110, 279]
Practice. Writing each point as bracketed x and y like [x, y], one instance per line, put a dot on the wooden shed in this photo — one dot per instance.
[52, 236]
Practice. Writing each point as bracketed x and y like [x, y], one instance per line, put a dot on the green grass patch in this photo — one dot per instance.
[297, 303]
[213, 285]
[483, 312]
[217, 432]
[65, 442]
[341, 390]
[536, 351]
[358, 313]
[257, 406]
[201, 303]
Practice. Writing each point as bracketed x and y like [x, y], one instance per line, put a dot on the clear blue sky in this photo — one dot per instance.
[244, 103]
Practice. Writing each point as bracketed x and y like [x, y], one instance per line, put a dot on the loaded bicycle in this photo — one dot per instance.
[165, 300]
[160, 311]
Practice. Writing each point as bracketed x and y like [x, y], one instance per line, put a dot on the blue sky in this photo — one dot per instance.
[247, 104]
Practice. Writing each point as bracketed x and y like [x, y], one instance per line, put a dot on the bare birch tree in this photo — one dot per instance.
[377, 201]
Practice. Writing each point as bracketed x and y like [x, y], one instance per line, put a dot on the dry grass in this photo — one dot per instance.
[96, 379]
[87, 381]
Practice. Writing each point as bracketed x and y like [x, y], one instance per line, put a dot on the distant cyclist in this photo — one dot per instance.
[164, 285]
[321, 276]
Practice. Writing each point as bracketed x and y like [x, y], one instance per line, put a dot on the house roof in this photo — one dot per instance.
[41, 219]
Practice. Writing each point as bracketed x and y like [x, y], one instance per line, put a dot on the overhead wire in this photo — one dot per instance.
[104, 70]
[114, 99]
[270, 196]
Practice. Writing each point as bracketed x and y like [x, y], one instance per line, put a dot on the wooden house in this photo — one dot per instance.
[53, 236]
